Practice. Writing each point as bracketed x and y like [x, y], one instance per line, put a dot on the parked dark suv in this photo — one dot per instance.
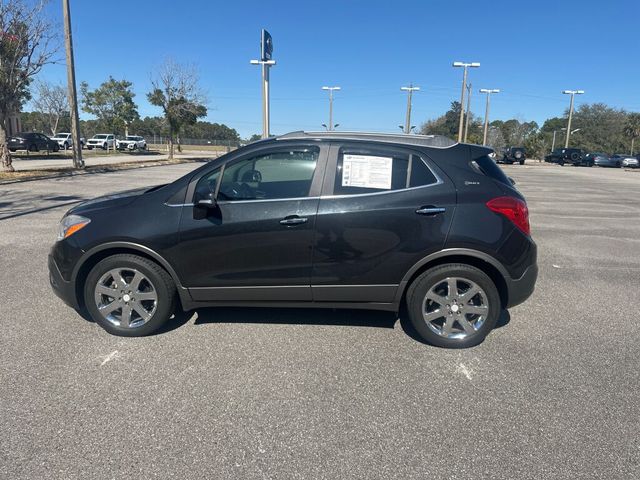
[574, 156]
[513, 155]
[33, 142]
[339, 220]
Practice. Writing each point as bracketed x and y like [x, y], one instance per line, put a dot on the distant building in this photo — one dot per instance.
[13, 124]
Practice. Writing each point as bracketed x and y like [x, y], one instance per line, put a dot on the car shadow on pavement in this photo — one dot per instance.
[303, 316]
[291, 316]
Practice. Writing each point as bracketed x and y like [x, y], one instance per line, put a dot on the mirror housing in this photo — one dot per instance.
[202, 208]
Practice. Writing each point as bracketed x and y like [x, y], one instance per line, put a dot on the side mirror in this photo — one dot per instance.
[202, 208]
[513, 182]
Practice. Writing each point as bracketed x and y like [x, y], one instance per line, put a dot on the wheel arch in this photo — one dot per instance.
[96, 254]
[480, 260]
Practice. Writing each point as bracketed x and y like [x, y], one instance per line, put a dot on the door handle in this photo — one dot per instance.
[293, 220]
[430, 210]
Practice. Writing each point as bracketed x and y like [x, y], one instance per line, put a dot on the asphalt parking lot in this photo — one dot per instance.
[244, 393]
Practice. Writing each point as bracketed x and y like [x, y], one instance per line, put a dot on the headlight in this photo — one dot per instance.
[70, 225]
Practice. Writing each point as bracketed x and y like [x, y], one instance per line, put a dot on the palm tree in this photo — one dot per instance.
[632, 128]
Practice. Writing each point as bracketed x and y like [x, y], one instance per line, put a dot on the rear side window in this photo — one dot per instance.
[364, 170]
[490, 169]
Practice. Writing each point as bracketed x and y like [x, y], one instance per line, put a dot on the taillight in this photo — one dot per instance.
[514, 209]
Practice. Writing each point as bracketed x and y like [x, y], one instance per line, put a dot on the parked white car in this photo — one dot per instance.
[65, 140]
[132, 142]
[101, 140]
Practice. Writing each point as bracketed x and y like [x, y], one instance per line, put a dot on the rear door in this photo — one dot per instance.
[382, 209]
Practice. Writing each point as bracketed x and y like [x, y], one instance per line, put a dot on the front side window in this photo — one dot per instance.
[276, 175]
[362, 171]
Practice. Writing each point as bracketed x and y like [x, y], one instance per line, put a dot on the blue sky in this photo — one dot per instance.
[531, 50]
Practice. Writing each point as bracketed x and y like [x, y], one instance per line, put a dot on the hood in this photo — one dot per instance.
[117, 199]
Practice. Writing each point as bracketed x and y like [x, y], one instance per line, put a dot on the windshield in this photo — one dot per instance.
[100, 136]
[132, 138]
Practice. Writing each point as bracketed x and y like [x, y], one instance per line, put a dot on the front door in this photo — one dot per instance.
[257, 244]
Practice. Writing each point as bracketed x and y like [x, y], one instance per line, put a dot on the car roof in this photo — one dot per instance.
[434, 141]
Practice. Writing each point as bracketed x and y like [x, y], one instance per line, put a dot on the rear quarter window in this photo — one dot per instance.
[491, 169]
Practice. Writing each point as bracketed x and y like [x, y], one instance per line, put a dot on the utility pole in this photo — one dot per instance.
[573, 93]
[410, 89]
[71, 86]
[331, 126]
[486, 111]
[266, 52]
[464, 85]
[466, 124]
[553, 142]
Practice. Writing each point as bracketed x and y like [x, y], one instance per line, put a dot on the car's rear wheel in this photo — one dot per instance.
[33, 147]
[129, 296]
[453, 305]
[522, 162]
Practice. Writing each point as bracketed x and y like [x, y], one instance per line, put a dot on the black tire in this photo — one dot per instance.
[33, 148]
[431, 278]
[522, 162]
[56, 148]
[12, 149]
[561, 162]
[104, 146]
[158, 277]
[575, 156]
[66, 146]
[89, 147]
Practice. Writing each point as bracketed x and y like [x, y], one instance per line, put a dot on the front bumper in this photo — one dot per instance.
[520, 289]
[62, 288]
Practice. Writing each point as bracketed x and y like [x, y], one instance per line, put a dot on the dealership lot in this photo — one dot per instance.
[257, 393]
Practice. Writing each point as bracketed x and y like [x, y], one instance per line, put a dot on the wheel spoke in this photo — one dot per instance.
[141, 311]
[468, 328]
[125, 318]
[108, 291]
[135, 282]
[109, 308]
[119, 280]
[448, 325]
[429, 317]
[434, 297]
[469, 294]
[452, 284]
[476, 309]
[146, 296]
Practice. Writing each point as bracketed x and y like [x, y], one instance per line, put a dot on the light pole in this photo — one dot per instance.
[466, 122]
[464, 85]
[71, 85]
[486, 111]
[331, 89]
[573, 93]
[407, 122]
[266, 51]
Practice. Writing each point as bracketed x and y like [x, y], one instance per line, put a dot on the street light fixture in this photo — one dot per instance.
[410, 89]
[464, 84]
[573, 93]
[486, 110]
[331, 125]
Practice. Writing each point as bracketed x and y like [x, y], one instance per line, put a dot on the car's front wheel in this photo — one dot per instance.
[129, 296]
[453, 305]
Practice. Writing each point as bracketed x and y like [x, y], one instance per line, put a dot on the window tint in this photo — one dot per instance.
[362, 171]
[282, 174]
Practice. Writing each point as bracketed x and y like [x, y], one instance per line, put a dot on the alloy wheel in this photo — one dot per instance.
[126, 297]
[455, 308]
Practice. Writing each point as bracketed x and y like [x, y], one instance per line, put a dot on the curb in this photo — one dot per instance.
[108, 168]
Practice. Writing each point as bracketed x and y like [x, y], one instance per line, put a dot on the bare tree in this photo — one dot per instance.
[28, 42]
[176, 91]
[52, 101]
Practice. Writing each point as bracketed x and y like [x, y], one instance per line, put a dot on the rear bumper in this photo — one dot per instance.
[520, 289]
[62, 288]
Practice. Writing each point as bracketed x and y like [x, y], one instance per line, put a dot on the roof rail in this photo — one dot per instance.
[436, 141]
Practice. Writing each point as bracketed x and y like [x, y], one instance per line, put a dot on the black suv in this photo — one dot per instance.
[574, 156]
[513, 155]
[32, 142]
[338, 220]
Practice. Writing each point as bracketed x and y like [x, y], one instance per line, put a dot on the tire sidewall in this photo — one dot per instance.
[433, 276]
[164, 307]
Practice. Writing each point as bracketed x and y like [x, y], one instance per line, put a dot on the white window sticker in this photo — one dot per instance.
[367, 171]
